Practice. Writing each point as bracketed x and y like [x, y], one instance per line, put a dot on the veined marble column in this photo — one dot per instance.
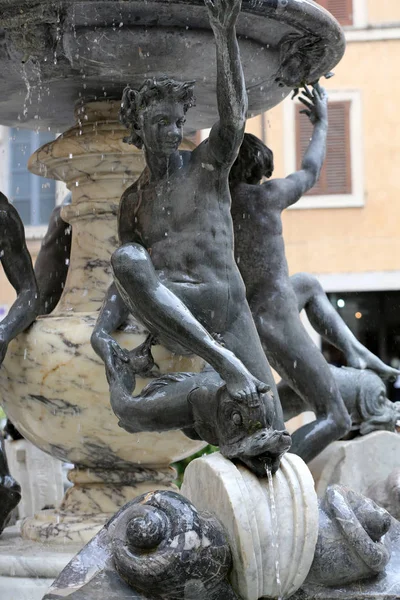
[52, 384]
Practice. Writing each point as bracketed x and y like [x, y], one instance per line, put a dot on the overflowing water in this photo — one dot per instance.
[274, 531]
[28, 89]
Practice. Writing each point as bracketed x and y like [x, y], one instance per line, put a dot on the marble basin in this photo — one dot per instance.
[52, 53]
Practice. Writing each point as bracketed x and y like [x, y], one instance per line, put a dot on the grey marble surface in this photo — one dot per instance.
[21, 558]
[384, 587]
[161, 545]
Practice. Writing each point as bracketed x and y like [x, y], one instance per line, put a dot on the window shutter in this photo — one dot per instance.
[335, 175]
[342, 10]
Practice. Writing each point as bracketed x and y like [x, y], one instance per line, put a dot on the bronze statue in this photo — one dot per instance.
[364, 395]
[17, 265]
[260, 254]
[329, 324]
[52, 261]
[199, 405]
[175, 270]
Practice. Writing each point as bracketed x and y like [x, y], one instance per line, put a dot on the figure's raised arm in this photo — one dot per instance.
[227, 134]
[289, 190]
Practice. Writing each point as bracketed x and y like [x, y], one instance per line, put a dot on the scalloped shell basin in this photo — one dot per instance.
[272, 536]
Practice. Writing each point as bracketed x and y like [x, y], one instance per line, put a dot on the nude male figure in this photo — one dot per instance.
[260, 253]
[176, 270]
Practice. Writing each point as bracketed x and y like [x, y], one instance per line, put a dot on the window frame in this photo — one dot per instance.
[360, 15]
[32, 232]
[352, 11]
[357, 196]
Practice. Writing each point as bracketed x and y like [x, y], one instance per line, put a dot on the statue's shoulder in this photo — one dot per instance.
[248, 196]
[130, 195]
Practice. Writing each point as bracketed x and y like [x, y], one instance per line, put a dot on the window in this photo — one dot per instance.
[335, 176]
[374, 319]
[342, 10]
[341, 183]
[34, 197]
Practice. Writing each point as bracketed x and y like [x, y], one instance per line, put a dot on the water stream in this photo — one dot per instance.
[274, 532]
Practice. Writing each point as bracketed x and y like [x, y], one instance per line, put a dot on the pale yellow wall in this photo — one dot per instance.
[7, 293]
[354, 239]
[383, 11]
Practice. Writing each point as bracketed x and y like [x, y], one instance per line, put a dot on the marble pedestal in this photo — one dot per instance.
[357, 463]
[27, 569]
[39, 475]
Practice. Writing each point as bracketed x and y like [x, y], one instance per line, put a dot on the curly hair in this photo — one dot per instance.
[136, 101]
[255, 161]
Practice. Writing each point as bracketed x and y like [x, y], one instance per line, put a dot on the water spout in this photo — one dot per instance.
[274, 531]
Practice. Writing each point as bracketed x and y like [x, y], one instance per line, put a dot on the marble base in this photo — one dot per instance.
[27, 569]
[94, 498]
[358, 463]
[39, 475]
[271, 556]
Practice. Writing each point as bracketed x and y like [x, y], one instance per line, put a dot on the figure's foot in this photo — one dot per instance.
[361, 358]
[242, 386]
[140, 358]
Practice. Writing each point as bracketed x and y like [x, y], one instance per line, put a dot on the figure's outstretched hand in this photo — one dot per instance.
[113, 356]
[223, 13]
[117, 358]
[316, 103]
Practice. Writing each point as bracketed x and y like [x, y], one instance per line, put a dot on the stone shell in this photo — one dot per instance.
[241, 501]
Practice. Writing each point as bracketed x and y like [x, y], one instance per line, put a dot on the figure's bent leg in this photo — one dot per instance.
[242, 337]
[166, 315]
[329, 324]
[299, 362]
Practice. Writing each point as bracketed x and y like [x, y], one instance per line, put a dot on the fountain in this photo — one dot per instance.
[77, 57]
